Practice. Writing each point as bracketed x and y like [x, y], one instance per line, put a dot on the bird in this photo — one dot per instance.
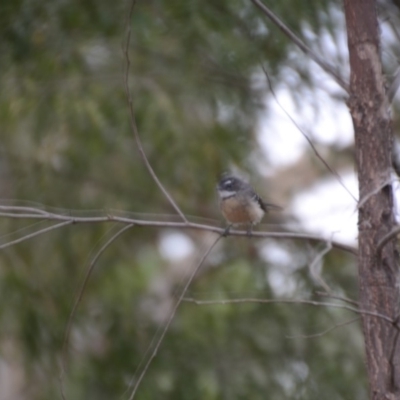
[240, 204]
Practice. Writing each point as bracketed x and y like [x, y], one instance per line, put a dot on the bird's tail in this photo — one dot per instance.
[269, 206]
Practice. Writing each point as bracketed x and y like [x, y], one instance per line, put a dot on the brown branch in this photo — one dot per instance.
[301, 45]
[69, 219]
[171, 317]
[134, 128]
[373, 130]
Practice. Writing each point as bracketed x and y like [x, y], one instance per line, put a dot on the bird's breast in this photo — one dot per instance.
[239, 211]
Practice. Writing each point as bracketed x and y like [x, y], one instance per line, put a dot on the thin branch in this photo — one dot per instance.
[292, 301]
[395, 31]
[37, 233]
[330, 329]
[171, 317]
[165, 224]
[387, 238]
[374, 192]
[390, 235]
[25, 209]
[301, 45]
[394, 86]
[79, 298]
[21, 231]
[313, 267]
[332, 296]
[393, 352]
[134, 128]
[305, 135]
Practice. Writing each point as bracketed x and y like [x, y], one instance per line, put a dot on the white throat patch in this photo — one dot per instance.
[224, 194]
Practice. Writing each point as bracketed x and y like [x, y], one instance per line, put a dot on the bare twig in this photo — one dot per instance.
[134, 128]
[70, 219]
[305, 135]
[79, 298]
[330, 329]
[333, 296]
[316, 262]
[393, 25]
[171, 317]
[301, 45]
[374, 192]
[394, 86]
[387, 238]
[37, 233]
[33, 210]
[393, 350]
[292, 301]
[394, 232]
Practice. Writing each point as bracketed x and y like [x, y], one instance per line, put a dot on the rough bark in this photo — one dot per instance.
[378, 273]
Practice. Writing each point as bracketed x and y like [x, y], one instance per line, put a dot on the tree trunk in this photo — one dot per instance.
[378, 274]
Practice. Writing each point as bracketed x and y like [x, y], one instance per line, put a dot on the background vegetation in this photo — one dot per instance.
[66, 143]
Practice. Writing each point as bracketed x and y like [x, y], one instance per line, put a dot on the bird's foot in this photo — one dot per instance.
[226, 231]
[250, 231]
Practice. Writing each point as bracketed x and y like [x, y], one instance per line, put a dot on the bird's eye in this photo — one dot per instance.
[228, 183]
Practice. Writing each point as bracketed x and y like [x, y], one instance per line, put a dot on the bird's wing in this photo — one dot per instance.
[266, 206]
[269, 206]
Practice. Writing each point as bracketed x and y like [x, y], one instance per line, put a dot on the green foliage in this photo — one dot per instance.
[67, 143]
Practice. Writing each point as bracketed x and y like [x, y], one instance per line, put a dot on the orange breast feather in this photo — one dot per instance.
[235, 212]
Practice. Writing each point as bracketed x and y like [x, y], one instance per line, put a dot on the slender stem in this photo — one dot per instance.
[79, 298]
[70, 219]
[293, 301]
[134, 127]
[301, 45]
[306, 136]
[171, 317]
[37, 233]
